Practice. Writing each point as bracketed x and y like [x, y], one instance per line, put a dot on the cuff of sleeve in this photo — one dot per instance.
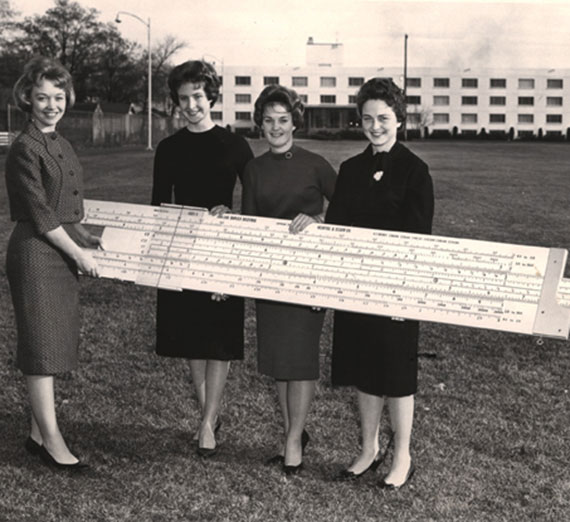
[46, 224]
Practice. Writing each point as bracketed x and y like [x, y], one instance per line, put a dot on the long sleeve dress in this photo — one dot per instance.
[199, 169]
[282, 186]
[388, 191]
[44, 180]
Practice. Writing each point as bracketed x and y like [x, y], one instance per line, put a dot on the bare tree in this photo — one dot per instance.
[162, 52]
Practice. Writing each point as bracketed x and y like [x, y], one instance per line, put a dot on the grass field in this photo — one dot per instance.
[491, 435]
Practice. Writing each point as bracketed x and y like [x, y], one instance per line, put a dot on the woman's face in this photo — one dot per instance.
[194, 105]
[380, 124]
[48, 104]
[277, 125]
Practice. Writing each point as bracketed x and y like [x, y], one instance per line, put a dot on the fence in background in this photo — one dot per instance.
[89, 129]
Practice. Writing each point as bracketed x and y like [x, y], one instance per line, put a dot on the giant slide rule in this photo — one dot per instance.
[464, 282]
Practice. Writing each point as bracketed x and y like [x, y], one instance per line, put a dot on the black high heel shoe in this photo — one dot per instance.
[206, 452]
[346, 475]
[292, 470]
[209, 452]
[280, 459]
[392, 487]
[48, 460]
[32, 447]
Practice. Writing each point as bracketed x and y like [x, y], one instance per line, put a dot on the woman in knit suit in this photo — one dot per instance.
[44, 255]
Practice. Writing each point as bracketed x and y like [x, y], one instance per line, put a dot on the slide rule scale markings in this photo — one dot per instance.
[457, 281]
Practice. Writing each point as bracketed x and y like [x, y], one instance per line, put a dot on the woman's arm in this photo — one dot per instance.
[419, 203]
[86, 239]
[162, 177]
[248, 203]
[338, 211]
[82, 258]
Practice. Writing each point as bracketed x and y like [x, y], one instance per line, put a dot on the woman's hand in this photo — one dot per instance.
[94, 242]
[301, 222]
[220, 210]
[86, 263]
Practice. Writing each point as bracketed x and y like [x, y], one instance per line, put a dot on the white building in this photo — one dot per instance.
[522, 102]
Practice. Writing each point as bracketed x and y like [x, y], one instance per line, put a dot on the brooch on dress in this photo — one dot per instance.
[378, 175]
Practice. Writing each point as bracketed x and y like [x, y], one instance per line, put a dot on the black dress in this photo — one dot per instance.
[199, 169]
[388, 191]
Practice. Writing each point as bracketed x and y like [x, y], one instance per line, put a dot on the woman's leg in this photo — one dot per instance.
[42, 401]
[401, 417]
[35, 432]
[299, 397]
[370, 409]
[216, 376]
[198, 371]
[281, 387]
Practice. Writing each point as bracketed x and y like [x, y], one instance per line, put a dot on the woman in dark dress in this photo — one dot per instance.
[385, 187]
[287, 182]
[45, 192]
[198, 166]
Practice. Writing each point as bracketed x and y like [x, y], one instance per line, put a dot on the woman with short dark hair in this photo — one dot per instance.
[386, 187]
[287, 182]
[198, 166]
[45, 192]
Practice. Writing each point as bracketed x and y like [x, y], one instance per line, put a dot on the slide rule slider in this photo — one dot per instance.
[552, 320]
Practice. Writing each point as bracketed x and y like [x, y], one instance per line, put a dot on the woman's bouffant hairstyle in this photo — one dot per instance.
[383, 89]
[283, 95]
[195, 72]
[38, 69]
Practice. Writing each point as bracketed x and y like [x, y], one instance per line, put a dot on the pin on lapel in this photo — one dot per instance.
[378, 175]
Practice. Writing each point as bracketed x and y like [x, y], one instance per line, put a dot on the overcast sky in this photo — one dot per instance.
[260, 32]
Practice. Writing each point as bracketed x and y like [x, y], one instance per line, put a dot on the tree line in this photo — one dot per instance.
[104, 65]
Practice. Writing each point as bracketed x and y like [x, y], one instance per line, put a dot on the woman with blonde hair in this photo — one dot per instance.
[45, 254]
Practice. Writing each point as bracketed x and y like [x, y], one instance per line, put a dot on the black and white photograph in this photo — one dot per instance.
[284, 261]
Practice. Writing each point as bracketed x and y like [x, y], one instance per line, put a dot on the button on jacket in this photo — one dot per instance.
[44, 180]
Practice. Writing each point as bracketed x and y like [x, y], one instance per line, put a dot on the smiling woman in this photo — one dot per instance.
[45, 190]
[386, 187]
[292, 183]
[199, 166]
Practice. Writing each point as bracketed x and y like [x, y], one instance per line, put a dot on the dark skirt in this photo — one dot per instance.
[288, 340]
[377, 355]
[192, 326]
[45, 294]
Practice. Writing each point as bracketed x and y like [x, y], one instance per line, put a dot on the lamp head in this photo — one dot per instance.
[117, 19]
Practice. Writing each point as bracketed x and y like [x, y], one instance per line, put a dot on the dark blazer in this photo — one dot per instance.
[44, 180]
[388, 191]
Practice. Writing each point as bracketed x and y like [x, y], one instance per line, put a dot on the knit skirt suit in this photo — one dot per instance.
[45, 190]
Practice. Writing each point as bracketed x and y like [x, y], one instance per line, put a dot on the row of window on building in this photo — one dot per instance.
[438, 118]
[470, 118]
[494, 83]
[439, 83]
[438, 100]
[302, 81]
[551, 101]
[324, 98]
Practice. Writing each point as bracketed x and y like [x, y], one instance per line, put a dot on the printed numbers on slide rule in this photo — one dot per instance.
[412, 276]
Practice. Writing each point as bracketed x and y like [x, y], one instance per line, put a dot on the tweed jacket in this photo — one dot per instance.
[388, 191]
[44, 180]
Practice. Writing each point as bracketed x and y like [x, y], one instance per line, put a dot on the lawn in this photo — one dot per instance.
[491, 438]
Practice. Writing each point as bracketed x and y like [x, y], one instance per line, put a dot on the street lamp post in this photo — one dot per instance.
[405, 83]
[149, 103]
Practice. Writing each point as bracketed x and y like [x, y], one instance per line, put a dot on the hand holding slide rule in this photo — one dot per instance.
[466, 282]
